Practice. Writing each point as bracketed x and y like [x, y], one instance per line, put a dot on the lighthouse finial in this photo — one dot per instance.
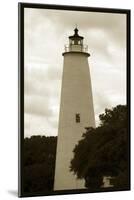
[76, 30]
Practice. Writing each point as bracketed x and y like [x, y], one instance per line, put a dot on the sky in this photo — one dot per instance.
[45, 34]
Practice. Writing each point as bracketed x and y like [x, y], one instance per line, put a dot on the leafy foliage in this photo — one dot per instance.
[103, 151]
[39, 163]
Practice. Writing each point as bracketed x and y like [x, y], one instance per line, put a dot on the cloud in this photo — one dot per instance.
[39, 125]
[37, 105]
[46, 32]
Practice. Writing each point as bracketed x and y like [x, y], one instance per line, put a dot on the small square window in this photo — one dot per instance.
[77, 118]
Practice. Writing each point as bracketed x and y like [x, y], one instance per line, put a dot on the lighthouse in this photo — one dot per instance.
[76, 110]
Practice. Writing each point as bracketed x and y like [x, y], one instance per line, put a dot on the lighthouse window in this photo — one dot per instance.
[77, 118]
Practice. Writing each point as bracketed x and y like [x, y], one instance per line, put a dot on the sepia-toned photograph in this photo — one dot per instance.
[76, 90]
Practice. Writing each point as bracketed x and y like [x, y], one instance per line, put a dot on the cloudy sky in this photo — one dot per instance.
[46, 33]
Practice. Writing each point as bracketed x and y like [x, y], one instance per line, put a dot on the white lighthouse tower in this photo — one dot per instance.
[76, 110]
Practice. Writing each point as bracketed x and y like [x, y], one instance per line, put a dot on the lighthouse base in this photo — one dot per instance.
[68, 183]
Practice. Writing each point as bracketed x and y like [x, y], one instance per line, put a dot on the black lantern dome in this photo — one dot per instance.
[76, 39]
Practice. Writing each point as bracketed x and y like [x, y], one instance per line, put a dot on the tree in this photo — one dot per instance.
[39, 164]
[103, 151]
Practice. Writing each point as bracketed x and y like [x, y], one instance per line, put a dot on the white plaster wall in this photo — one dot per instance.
[76, 97]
